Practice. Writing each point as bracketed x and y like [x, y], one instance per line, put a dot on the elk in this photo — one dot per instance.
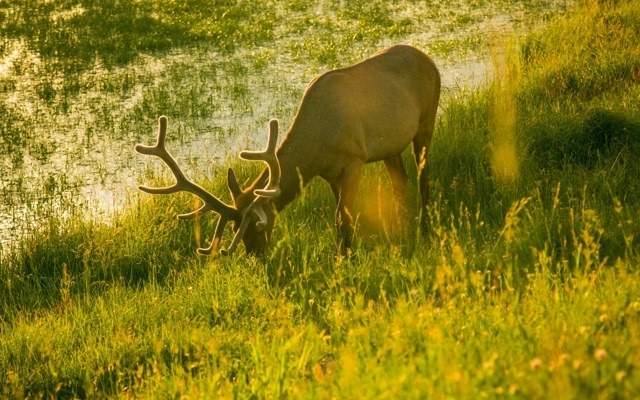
[348, 117]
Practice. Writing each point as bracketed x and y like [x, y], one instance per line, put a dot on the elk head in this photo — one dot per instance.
[249, 207]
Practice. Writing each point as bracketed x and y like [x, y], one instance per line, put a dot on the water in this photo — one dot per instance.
[68, 140]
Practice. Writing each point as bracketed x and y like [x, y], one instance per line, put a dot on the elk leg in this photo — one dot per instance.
[399, 180]
[345, 193]
[420, 150]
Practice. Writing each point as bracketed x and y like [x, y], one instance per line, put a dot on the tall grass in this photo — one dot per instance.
[525, 285]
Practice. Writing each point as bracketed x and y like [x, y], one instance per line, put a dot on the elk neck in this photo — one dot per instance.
[294, 168]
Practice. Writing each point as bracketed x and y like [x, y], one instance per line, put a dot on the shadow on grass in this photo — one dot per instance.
[67, 257]
[597, 136]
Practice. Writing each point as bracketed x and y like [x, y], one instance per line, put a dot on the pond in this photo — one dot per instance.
[66, 138]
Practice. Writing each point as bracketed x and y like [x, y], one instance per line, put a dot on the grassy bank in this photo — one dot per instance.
[526, 285]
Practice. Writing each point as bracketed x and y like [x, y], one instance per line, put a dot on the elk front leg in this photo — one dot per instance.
[345, 192]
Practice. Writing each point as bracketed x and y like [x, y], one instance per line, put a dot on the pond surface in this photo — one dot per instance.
[66, 143]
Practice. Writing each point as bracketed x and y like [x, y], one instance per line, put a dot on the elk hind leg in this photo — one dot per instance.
[399, 181]
[420, 151]
[345, 190]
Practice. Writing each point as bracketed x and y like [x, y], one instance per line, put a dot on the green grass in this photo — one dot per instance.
[525, 286]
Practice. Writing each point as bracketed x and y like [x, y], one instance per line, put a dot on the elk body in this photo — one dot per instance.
[370, 111]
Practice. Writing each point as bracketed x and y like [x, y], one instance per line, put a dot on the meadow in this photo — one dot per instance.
[525, 285]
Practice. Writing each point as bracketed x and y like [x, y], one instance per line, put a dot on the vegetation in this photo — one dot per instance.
[526, 285]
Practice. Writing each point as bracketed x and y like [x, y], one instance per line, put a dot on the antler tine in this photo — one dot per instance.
[159, 146]
[217, 237]
[269, 156]
[211, 202]
[238, 236]
[205, 207]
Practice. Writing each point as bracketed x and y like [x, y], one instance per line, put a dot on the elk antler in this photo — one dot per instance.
[269, 156]
[211, 203]
[262, 195]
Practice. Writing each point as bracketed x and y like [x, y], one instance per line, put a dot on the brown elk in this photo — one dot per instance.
[348, 117]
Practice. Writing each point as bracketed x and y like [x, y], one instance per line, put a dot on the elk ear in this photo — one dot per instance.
[232, 182]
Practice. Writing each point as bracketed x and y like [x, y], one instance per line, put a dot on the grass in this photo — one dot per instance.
[525, 286]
